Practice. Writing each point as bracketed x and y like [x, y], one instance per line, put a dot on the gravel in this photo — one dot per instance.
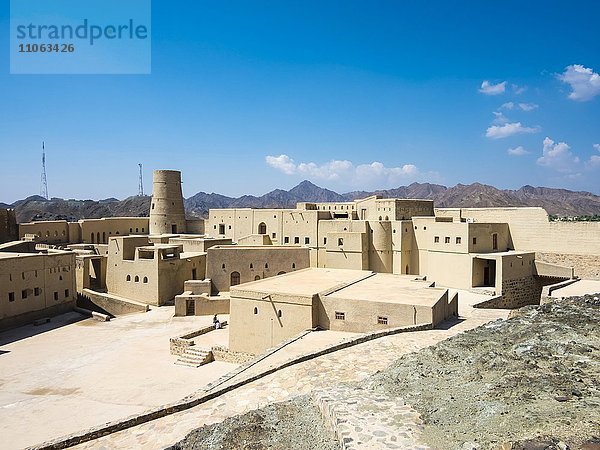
[528, 382]
[291, 425]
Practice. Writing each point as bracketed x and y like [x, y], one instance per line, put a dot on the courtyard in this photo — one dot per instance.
[76, 372]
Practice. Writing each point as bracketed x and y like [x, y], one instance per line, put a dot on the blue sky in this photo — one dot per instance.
[245, 97]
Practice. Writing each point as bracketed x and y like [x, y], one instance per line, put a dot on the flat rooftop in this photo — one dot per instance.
[388, 288]
[493, 255]
[307, 282]
[350, 285]
[260, 247]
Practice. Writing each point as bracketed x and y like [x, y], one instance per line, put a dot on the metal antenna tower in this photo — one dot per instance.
[141, 185]
[44, 188]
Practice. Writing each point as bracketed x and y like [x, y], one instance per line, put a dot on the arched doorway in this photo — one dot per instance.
[234, 279]
[262, 228]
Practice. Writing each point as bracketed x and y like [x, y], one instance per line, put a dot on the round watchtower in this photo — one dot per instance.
[167, 214]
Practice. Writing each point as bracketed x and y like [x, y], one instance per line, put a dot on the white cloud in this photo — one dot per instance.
[584, 82]
[517, 151]
[528, 106]
[345, 174]
[282, 163]
[558, 157]
[509, 129]
[500, 118]
[492, 89]
[522, 106]
[518, 89]
[594, 161]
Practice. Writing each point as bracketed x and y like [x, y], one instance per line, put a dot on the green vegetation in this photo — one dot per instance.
[594, 218]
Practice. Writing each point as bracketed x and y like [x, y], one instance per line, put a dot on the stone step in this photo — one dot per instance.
[187, 364]
[194, 357]
[193, 351]
[365, 419]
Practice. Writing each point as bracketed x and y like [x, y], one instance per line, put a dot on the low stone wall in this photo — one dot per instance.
[221, 353]
[515, 294]
[546, 269]
[109, 304]
[585, 266]
[519, 292]
[179, 344]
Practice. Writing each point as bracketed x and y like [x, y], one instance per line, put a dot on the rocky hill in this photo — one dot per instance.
[38, 208]
[559, 202]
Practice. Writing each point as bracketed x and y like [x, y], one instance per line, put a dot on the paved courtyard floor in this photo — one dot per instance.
[328, 371]
[72, 374]
[580, 287]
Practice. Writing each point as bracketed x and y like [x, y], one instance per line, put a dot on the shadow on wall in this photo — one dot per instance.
[85, 302]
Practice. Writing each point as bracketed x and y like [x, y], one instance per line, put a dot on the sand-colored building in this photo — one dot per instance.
[34, 283]
[498, 250]
[571, 244]
[495, 248]
[230, 265]
[267, 312]
[376, 220]
[151, 274]
[87, 231]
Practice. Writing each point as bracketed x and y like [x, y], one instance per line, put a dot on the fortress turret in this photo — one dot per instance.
[167, 214]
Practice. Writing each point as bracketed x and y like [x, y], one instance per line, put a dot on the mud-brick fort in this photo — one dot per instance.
[365, 265]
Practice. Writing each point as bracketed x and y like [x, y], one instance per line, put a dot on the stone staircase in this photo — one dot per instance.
[194, 357]
[364, 419]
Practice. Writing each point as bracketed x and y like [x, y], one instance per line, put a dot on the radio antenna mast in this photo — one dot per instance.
[141, 184]
[44, 188]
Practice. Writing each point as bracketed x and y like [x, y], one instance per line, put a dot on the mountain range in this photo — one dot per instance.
[559, 202]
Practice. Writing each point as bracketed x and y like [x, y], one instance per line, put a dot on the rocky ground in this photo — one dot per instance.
[528, 383]
[293, 425]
